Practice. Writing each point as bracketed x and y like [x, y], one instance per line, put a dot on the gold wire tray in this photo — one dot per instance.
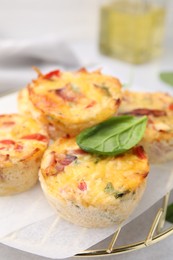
[155, 234]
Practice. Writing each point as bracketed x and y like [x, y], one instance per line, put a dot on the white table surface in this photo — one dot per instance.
[143, 76]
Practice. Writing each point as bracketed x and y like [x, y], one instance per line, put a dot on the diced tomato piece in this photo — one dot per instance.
[82, 186]
[144, 175]
[79, 151]
[55, 73]
[8, 123]
[91, 104]
[150, 121]
[4, 157]
[139, 152]
[7, 142]
[18, 147]
[83, 70]
[38, 137]
[171, 106]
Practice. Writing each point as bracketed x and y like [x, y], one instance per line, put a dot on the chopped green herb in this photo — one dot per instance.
[120, 194]
[167, 77]
[169, 214]
[110, 190]
[104, 88]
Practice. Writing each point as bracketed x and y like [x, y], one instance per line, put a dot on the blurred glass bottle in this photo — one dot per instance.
[132, 30]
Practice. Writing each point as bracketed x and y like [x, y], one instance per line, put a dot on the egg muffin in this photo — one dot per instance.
[73, 101]
[91, 190]
[22, 144]
[158, 138]
[26, 107]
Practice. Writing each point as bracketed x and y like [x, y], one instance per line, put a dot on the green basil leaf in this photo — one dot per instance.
[167, 77]
[169, 214]
[113, 136]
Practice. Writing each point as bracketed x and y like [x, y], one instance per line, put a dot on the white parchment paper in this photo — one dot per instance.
[26, 208]
[42, 232]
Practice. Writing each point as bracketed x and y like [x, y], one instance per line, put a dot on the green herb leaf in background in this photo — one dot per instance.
[167, 77]
[113, 136]
[169, 214]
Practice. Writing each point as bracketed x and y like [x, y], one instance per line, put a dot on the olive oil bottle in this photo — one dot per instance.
[132, 30]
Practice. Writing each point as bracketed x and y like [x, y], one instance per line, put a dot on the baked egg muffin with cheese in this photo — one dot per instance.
[73, 101]
[22, 144]
[92, 190]
[158, 138]
[26, 107]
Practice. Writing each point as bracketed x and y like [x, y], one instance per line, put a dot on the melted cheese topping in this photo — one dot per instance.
[75, 98]
[20, 138]
[153, 100]
[159, 127]
[86, 179]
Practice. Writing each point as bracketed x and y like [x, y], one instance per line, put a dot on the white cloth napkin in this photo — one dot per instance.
[18, 56]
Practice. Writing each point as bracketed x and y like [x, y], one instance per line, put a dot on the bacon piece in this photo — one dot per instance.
[146, 111]
[57, 163]
[7, 142]
[66, 94]
[55, 73]
[63, 161]
[139, 152]
[82, 186]
[117, 102]
[91, 104]
[67, 159]
[38, 137]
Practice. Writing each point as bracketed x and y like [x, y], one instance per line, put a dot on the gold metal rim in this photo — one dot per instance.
[155, 234]
[127, 248]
